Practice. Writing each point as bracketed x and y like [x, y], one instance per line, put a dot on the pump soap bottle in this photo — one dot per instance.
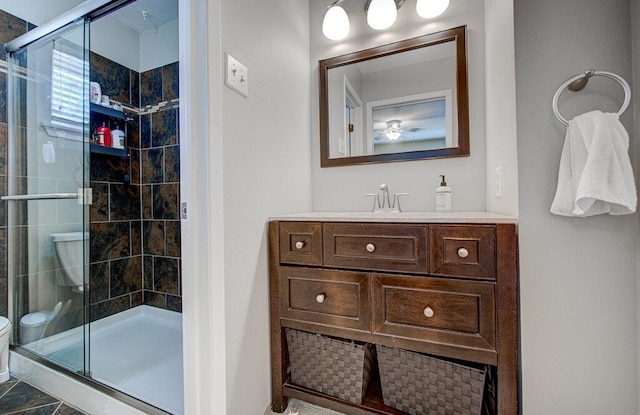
[443, 197]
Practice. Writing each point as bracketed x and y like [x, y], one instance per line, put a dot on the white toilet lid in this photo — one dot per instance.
[34, 319]
[5, 325]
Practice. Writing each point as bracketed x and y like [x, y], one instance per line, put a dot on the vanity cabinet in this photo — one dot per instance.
[444, 285]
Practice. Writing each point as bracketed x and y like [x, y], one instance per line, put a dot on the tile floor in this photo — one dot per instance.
[20, 398]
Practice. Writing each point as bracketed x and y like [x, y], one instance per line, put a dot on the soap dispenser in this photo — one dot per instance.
[443, 197]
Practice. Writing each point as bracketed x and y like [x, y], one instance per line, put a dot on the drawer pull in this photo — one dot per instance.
[371, 247]
[320, 298]
[428, 311]
[463, 253]
[299, 245]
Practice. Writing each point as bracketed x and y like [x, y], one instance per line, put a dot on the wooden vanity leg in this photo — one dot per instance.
[508, 342]
[278, 341]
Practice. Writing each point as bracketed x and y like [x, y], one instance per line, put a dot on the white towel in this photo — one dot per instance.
[595, 175]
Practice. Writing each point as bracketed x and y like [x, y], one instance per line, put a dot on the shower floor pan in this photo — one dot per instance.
[137, 351]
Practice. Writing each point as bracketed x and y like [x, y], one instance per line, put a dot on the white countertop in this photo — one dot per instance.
[409, 217]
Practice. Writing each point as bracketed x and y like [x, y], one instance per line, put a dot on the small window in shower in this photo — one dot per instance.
[68, 111]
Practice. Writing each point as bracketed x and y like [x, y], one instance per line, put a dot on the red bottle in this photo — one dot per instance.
[104, 135]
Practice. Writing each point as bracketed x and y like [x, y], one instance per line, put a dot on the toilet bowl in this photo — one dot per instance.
[5, 333]
[32, 326]
[69, 247]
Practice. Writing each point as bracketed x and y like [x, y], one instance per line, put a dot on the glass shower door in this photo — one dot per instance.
[48, 196]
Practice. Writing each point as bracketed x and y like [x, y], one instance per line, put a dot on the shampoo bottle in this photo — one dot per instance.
[443, 197]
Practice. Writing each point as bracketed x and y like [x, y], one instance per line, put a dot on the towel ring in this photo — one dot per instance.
[585, 76]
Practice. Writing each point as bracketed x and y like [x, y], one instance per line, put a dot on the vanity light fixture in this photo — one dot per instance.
[335, 25]
[381, 14]
[431, 8]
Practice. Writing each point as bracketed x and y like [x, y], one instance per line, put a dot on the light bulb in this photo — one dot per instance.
[381, 14]
[335, 24]
[431, 8]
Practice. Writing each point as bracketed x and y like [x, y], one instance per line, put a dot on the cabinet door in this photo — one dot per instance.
[443, 311]
[334, 298]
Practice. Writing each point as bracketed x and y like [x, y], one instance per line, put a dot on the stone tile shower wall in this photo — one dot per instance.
[135, 228]
[115, 277]
[160, 183]
[10, 28]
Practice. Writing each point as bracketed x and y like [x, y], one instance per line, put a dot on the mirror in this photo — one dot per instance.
[402, 101]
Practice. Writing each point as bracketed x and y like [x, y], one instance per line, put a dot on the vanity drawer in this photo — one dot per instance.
[462, 251]
[339, 298]
[301, 243]
[380, 247]
[438, 310]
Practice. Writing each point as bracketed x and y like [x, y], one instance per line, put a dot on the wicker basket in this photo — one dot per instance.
[420, 384]
[340, 368]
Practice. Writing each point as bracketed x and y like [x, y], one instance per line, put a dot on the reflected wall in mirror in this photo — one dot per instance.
[402, 101]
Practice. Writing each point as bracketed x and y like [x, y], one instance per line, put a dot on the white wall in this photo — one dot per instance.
[342, 188]
[159, 46]
[579, 296]
[266, 171]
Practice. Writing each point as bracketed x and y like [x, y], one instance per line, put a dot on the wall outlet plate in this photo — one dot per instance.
[236, 75]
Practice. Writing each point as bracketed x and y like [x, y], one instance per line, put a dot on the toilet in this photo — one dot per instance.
[69, 250]
[5, 334]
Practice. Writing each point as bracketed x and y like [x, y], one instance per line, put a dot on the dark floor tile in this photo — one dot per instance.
[23, 396]
[4, 387]
[41, 410]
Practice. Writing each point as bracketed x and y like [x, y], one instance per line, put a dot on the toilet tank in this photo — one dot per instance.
[69, 247]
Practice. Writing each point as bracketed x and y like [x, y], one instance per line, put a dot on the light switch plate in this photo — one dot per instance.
[236, 75]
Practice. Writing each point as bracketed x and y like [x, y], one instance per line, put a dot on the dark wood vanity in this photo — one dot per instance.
[445, 285]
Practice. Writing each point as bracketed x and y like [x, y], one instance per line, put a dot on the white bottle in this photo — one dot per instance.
[443, 197]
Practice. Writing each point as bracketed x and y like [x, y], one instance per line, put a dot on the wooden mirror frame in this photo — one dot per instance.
[457, 35]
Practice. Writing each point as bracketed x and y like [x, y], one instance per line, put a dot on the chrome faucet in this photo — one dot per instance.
[385, 204]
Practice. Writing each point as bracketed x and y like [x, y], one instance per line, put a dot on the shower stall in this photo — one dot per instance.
[93, 230]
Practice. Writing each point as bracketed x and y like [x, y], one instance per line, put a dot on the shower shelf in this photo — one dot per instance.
[109, 151]
[109, 112]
